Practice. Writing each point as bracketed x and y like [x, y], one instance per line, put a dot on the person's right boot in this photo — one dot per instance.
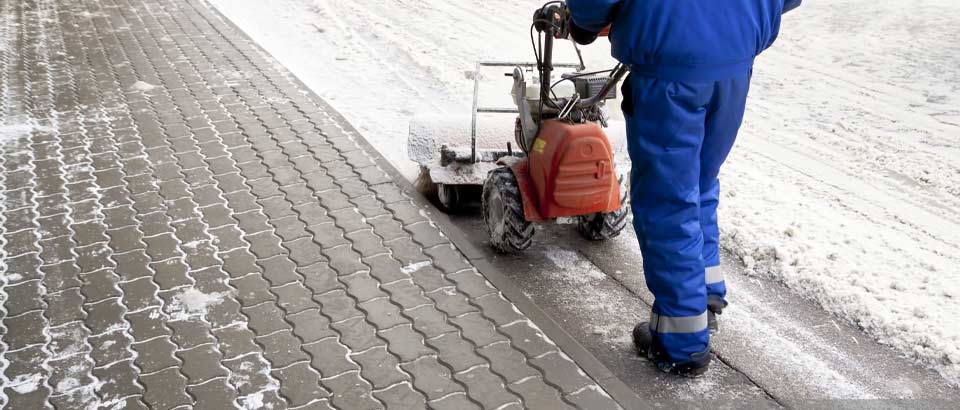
[643, 341]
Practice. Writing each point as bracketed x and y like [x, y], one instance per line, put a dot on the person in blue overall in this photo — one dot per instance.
[690, 68]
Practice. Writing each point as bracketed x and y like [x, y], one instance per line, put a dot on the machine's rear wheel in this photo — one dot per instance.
[603, 226]
[503, 213]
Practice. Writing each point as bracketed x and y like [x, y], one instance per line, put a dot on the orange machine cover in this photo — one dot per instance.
[571, 170]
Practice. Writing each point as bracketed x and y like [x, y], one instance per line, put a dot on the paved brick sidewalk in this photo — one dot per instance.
[182, 226]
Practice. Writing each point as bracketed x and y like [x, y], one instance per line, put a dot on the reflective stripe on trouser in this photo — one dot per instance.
[714, 275]
[678, 136]
[716, 286]
[680, 337]
[686, 324]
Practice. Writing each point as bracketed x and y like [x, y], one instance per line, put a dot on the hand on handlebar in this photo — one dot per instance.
[557, 20]
[554, 19]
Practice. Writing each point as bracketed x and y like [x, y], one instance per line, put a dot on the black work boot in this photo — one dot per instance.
[712, 322]
[715, 307]
[643, 340]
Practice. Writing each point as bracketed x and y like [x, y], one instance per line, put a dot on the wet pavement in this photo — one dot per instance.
[182, 225]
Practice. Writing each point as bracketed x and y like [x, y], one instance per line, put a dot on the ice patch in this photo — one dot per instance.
[14, 132]
[254, 373]
[192, 303]
[192, 245]
[11, 277]
[67, 384]
[253, 401]
[66, 341]
[142, 86]
[25, 383]
[413, 267]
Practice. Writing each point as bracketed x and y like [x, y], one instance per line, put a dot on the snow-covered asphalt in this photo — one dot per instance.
[840, 202]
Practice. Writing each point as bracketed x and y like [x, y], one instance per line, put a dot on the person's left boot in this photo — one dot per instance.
[643, 341]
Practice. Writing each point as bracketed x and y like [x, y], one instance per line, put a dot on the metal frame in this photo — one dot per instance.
[477, 109]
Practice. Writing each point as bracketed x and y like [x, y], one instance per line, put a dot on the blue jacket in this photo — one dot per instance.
[685, 40]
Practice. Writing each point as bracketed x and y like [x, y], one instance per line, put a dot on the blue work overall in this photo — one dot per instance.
[690, 63]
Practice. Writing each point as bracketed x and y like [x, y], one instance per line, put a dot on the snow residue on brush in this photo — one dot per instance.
[843, 184]
[192, 303]
[428, 132]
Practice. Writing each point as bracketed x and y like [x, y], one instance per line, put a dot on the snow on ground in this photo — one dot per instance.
[191, 303]
[843, 184]
[10, 132]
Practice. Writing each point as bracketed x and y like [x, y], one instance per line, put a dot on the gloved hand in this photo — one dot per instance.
[581, 35]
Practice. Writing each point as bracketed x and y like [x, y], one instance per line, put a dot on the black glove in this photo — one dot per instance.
[581, 35]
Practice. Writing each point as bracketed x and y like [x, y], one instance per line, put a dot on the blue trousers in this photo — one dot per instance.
[679, 134]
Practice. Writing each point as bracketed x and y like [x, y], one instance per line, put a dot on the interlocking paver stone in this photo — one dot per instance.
[405, 343]
[380, 367]
[299, 383]
[351, 392]
[487, 388]
[363, 287]
[431, 378]
[357, 334]
[539, 395]
[213, 394]
[454, 402]
[118, 379]
[282, 348]
[201, 363]
[456, 352]
[507, 361]
[402, 396]
[192, 229]
[310, 326]
[155, 355]
[331, 357]
[165, 390]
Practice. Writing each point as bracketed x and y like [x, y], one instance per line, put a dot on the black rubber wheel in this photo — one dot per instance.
[603, 226]
[449, 197]
[509, 232]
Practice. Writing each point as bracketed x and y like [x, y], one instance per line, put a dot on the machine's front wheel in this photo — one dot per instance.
[449, 197]
[603, 226]
[509, 231]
